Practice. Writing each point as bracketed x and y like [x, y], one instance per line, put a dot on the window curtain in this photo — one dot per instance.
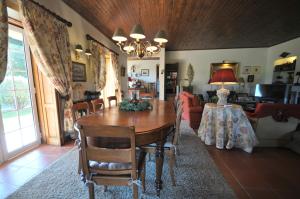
[3, 39]
[117, 72]
[98, 64]
[49, 43]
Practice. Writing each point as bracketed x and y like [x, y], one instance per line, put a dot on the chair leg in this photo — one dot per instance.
[135, 191]
[149, 157]
[79, 163]
[171, 166]
[177, 150]
[143, 176]
[104, 188]
[91, 191]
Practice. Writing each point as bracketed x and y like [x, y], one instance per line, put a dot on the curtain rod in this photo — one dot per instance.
[69, 24]
[89, 37]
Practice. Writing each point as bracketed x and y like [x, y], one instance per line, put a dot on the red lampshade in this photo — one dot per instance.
[223, 76]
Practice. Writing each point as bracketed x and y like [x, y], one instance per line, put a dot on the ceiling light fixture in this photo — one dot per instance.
[138, 47]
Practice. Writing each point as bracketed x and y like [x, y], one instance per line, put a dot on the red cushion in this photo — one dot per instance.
[269, 109]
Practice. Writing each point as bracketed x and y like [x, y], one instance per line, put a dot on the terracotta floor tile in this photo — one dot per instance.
[6, 171]
[6, 189]
[43, 162]
[262, 194]
[287, 194]
[250, 178]
[240, 192]
[22, 176]
[260, 173]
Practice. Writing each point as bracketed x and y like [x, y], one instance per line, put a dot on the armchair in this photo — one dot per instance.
[192, 110]
[275, 124]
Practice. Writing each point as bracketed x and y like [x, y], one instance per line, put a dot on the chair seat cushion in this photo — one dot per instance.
[109, 165]
[168, 144]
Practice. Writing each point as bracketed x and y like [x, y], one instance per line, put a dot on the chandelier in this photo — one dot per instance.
[138, 46]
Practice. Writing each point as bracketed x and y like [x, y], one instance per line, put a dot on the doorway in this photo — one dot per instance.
[19, 128]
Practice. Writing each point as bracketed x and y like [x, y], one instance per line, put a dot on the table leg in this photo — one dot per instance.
[159, 165]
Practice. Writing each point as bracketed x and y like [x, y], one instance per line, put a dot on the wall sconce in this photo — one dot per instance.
[79, 50]
[88, 53]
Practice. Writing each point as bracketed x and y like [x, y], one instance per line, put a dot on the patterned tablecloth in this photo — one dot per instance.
[226, 125]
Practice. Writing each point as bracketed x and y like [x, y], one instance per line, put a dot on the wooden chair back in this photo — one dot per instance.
[178, 122]
[92, 152]
[98, 104]
[79, 110]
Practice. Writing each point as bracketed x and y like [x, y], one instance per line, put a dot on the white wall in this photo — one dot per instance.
[162, 62]
[201, 60]
[81, 27]
[143, 64]
[292, 46]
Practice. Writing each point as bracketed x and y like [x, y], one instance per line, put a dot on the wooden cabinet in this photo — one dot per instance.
[171, 79]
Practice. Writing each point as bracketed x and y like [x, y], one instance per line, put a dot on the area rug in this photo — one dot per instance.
[196, 177]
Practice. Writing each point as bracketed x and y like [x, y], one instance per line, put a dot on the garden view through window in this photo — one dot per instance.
[15, 96]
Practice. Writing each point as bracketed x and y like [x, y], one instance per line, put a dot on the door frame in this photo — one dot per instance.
[4, 155]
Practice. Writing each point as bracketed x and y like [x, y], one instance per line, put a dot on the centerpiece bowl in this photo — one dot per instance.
[135, 105]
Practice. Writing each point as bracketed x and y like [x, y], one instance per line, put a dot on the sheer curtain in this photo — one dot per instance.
[110, 85]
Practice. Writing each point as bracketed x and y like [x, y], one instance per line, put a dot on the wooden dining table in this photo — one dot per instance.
[151, 126]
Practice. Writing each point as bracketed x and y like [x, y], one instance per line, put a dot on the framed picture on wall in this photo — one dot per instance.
[144, 72]
[217, 66]
[256, 70]
[250, 78]
[78, 72]
[247, 70]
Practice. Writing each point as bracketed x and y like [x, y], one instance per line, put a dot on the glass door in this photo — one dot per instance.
[18, 116]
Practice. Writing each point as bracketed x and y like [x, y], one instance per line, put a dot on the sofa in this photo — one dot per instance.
[192, 109]
[276, 124]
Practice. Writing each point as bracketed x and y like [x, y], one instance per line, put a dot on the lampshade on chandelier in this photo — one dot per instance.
[138, 47]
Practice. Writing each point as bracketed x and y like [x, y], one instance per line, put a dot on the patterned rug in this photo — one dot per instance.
[196, 177]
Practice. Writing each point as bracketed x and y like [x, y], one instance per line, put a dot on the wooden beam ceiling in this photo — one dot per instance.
[198, 24]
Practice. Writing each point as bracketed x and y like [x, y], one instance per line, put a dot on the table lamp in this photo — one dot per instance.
[223, 77]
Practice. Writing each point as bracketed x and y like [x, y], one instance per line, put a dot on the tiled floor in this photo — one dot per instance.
[266, 173]
[18, 171]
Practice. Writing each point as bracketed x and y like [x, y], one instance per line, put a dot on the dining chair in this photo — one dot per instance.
[112, 98]
[98, 104]
[110, 165]
[79, 110]
[171, 145]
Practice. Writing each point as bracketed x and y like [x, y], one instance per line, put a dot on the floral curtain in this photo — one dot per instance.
[3, 39]
[116, 69]
[49, 43]
[98, 63]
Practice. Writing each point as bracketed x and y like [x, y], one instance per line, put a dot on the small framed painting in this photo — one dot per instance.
[247, 70]
[256, 70]
[144, 72]
[78, 72]
[250, 78]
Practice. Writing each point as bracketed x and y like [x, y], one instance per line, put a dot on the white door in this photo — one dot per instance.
[19, 129]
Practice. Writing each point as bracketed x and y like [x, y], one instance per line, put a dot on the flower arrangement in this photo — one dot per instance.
[135, 105]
